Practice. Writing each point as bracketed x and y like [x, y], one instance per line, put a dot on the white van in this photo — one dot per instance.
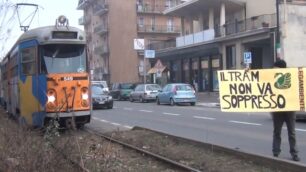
[103, 83]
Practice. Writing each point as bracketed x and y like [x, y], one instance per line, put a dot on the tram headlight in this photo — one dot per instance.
[85, 96]
[84, 92]
[51, 99]
[51, 96]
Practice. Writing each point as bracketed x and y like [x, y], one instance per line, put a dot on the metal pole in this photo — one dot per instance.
[277, 47]
[144, 68]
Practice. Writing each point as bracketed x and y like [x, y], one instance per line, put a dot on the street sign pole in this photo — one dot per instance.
[144, 69]
[247, 58]
[139, 45]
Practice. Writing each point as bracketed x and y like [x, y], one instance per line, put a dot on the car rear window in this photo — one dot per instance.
[127, 86]
[153, 87]
[183, 88]
[97, 89]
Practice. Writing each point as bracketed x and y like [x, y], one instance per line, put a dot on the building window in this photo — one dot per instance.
[140, 21]
[153, 23]
[230, 57]
[170, 25]
[169, 4]
[139, 5]
[186, 70]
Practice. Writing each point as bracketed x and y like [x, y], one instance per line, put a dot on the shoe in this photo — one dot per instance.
[295, 158]
[275, 155]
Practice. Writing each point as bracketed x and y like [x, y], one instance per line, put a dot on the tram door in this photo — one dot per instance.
[28, 83]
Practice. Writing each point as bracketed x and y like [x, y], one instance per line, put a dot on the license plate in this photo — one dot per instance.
[101, 102]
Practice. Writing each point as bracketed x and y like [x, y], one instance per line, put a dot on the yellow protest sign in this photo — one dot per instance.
[263, 90]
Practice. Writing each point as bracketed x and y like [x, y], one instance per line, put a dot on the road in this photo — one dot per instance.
[248, 132]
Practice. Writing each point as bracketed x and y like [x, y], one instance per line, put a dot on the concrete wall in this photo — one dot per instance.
[259, 7]
[293, 34]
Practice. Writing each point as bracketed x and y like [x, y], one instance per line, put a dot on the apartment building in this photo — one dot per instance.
[111, 27]
[215, 35]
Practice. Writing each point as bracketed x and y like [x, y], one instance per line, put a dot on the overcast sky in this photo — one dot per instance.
[47, 13]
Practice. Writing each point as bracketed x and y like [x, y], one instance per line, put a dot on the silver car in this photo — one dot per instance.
[145, 92]
[177, 93]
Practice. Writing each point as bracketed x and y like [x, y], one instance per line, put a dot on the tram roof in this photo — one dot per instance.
[44, 34]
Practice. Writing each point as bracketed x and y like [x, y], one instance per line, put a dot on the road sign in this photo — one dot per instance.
[139, 44]
[158, 64]
[149, 53]
[247, 57]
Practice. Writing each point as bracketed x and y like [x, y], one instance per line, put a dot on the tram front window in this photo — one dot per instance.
[63, 58]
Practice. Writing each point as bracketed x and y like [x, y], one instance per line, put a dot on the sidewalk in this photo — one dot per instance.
[208, 99]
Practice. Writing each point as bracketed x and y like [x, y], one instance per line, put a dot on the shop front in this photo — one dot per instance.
[197, 66]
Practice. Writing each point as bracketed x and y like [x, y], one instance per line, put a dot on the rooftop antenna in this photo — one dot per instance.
[24, 27]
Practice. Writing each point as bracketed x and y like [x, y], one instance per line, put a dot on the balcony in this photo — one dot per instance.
[101, 50]
[157, 45]
[83, 4]
[100, 9]
[253, 23]
[101, 29]
[158, 29]
[84, 20]
[150, 9]
[235, 28]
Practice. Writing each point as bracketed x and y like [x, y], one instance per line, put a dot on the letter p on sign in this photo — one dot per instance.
[247, 58]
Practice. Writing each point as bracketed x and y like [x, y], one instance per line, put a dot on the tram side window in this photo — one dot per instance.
[28, 61]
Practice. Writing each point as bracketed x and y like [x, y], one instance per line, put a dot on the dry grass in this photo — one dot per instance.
[25, 150]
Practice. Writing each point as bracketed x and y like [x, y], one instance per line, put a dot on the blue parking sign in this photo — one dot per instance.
[247, 57]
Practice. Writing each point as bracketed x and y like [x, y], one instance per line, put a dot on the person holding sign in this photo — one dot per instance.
[278, 119]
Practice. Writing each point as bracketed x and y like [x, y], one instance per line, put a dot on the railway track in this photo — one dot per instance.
[160, 158]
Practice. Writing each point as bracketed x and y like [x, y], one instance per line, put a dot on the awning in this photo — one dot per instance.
[154, 70]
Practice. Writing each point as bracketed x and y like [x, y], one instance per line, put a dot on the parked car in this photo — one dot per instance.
[121, 91]
[100, 98]
[177, 93]
[300, 115]
[145, 92]
[103, 83]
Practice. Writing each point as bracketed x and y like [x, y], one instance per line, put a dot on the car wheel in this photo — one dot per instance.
[119, 97]
[110, 106]
[172, 103]
[192, 103]
[141, 99]
[157, 101]
[131, 99]
[80, 126]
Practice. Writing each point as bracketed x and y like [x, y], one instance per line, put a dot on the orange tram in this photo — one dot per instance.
[45, 75]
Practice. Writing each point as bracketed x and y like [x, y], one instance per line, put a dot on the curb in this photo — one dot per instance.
[259, 159]
[212, 105]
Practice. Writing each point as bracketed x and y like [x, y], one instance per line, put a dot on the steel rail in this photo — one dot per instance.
[72, 162]
[151, 154]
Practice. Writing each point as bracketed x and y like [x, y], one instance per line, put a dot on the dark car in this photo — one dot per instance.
[100, 98]
[145, 92]
[121, 91]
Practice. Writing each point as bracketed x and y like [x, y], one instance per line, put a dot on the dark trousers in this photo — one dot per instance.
[278, 119]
